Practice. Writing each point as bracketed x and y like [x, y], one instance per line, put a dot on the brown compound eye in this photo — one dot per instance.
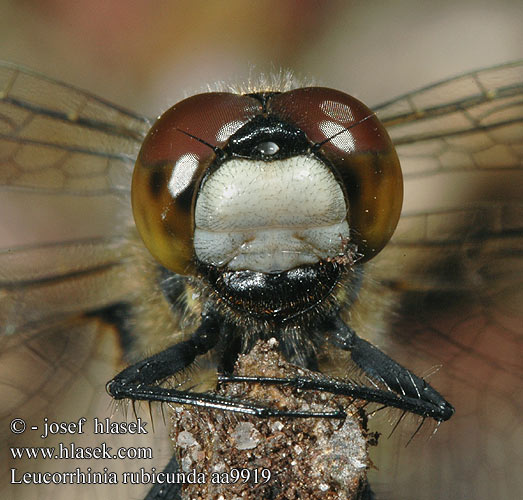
[173, 158]
[349, 136]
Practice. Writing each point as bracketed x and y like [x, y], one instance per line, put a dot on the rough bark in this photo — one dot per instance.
[308, 458]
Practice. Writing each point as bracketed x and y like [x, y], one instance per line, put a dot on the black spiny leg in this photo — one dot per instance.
[406, 391]
[378, 366]
[139, 382]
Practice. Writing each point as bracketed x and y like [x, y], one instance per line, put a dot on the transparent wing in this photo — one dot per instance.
[66, 160]
[60, 139]
[455, 267]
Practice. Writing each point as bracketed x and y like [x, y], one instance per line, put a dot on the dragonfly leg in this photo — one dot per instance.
[141, 380]
[387, 372]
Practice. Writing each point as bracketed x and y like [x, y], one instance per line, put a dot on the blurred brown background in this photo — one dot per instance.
[146, 54]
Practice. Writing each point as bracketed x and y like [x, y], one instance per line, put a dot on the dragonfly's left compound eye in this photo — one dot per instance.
[175, 155]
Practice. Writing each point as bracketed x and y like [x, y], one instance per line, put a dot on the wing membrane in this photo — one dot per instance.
[60, 375]
[465, 99]
[57, 138]
[66, 159]
[455, 265]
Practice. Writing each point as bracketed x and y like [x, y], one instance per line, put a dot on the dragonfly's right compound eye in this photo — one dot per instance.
[174, 157]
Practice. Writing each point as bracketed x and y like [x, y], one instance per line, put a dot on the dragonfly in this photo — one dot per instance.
[451, 271]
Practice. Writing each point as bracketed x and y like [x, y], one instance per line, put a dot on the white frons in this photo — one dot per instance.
[270, 216]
